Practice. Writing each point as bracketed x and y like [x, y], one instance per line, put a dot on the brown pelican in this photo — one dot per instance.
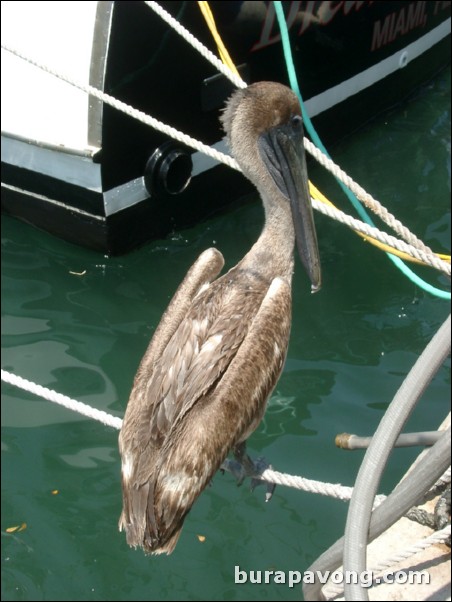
[203, 383]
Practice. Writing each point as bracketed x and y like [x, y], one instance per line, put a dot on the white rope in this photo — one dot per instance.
[438, 537]
[366, 198]
[435, 538]
[197, 45]
[328, 163]
[334, 490]
[424, 255]
[63, 400]
[329, 489]
[129, 110]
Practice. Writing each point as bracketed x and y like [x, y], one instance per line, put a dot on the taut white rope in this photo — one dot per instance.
[366, 198]
[197, 45]
[129, 110]
[426, 256]
[332, 590]
[328, 163]
[337, 491]
[67, 402]
[423, 254]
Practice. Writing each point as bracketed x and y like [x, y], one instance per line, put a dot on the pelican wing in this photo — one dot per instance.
[192, 363]
[204, 270]
[195, 448]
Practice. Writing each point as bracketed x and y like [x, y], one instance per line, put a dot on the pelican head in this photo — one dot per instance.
[264, 129]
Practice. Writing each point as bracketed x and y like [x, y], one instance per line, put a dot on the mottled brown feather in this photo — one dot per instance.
[217, 415]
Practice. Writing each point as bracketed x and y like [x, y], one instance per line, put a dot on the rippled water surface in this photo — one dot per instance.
[83, 335]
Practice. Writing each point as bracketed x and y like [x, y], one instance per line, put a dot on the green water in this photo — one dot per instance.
[351, 346]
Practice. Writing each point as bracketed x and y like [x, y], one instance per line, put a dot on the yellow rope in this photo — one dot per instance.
[224, 54]
[315, 192]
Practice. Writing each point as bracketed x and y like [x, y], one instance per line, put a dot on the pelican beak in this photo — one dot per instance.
[283, 153]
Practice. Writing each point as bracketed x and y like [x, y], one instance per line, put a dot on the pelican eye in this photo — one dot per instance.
[296, 121]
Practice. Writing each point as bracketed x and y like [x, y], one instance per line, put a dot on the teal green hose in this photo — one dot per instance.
[316, 140]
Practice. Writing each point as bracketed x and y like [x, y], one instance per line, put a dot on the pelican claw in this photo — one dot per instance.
[243, 466]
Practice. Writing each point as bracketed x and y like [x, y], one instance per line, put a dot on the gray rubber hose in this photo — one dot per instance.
[380, 448]
[407, 494]
[360, 520]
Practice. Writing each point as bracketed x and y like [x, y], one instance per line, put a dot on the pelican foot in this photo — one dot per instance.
[261, 464]
[243, 467]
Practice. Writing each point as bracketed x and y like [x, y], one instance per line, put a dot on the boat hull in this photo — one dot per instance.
[132, 184]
